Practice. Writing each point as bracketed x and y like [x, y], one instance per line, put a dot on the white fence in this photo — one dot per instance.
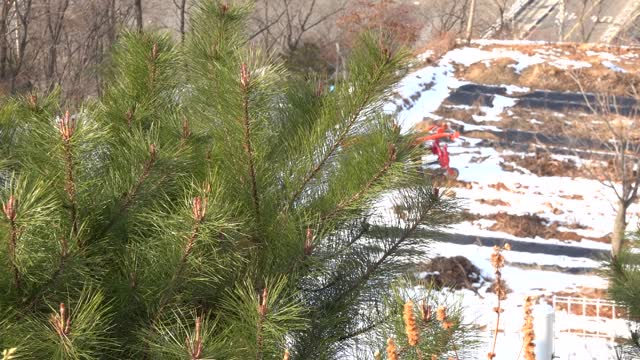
[587, 328]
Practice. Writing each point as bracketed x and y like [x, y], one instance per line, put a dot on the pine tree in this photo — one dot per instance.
[624, 288]
[209, 205]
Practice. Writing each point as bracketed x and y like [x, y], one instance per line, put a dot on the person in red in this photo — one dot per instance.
[440, 150]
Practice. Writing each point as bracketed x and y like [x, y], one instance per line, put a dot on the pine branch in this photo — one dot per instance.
[199, 210]
[130, 196]
[35, 299]
[361, 232]
[364, 330]
[67, 127]
[353, 118]
[244, 83]
[406, 234]
[360, 194]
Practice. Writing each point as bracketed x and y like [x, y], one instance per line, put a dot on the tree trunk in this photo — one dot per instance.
[4, 46]
[619, 227]
[137, 5]
[472, 11]
[183, 20]
[561, 14]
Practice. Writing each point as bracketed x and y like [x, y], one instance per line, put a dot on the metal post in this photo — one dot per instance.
[598, 316]
[584, 314]
[543, 322]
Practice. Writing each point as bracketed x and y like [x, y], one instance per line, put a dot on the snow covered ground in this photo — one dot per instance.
[556, 198]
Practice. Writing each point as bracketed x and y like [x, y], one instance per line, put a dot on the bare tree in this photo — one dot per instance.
[181, 5]
[54, 22]
[589, 14]
[282, 25]
[611, 138]
[137, 7]
[472, 11]
[446, 16]
[4, 46]
[502, 27]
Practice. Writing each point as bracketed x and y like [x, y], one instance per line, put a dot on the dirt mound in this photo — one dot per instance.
[456, 273]
[572, 197]
[453, 272]
[520, 225]
[493, 202]
[499, 186]
[542, 164]
[532, 225]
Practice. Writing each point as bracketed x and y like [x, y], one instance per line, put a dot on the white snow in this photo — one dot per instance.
[527, 194]
[613, 66]
[493, 113]
[444, 80]
[570, 64]
[601, 55]
[513, 89]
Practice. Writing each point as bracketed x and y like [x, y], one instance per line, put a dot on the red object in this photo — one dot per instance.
[439, 134]
[440, 150]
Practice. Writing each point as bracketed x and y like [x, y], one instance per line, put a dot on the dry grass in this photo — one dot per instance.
[438, 45]
[548, 77]
[498, 72]
[532, 226]
[493, 202]
[596, 78]
[542, 164]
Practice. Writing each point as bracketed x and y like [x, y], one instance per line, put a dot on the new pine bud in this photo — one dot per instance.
[410, 324]
[392, 350]
[9, 208]
[245, 77]
[67, 126]
[262, 308]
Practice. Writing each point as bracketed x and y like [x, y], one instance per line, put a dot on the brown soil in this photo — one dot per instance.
[572, 197]
[500, 186]
[449, 182]
[510, 167]
[493, 202]
[462, 114]
[533, 226]
[452, 272]
[542, 164]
